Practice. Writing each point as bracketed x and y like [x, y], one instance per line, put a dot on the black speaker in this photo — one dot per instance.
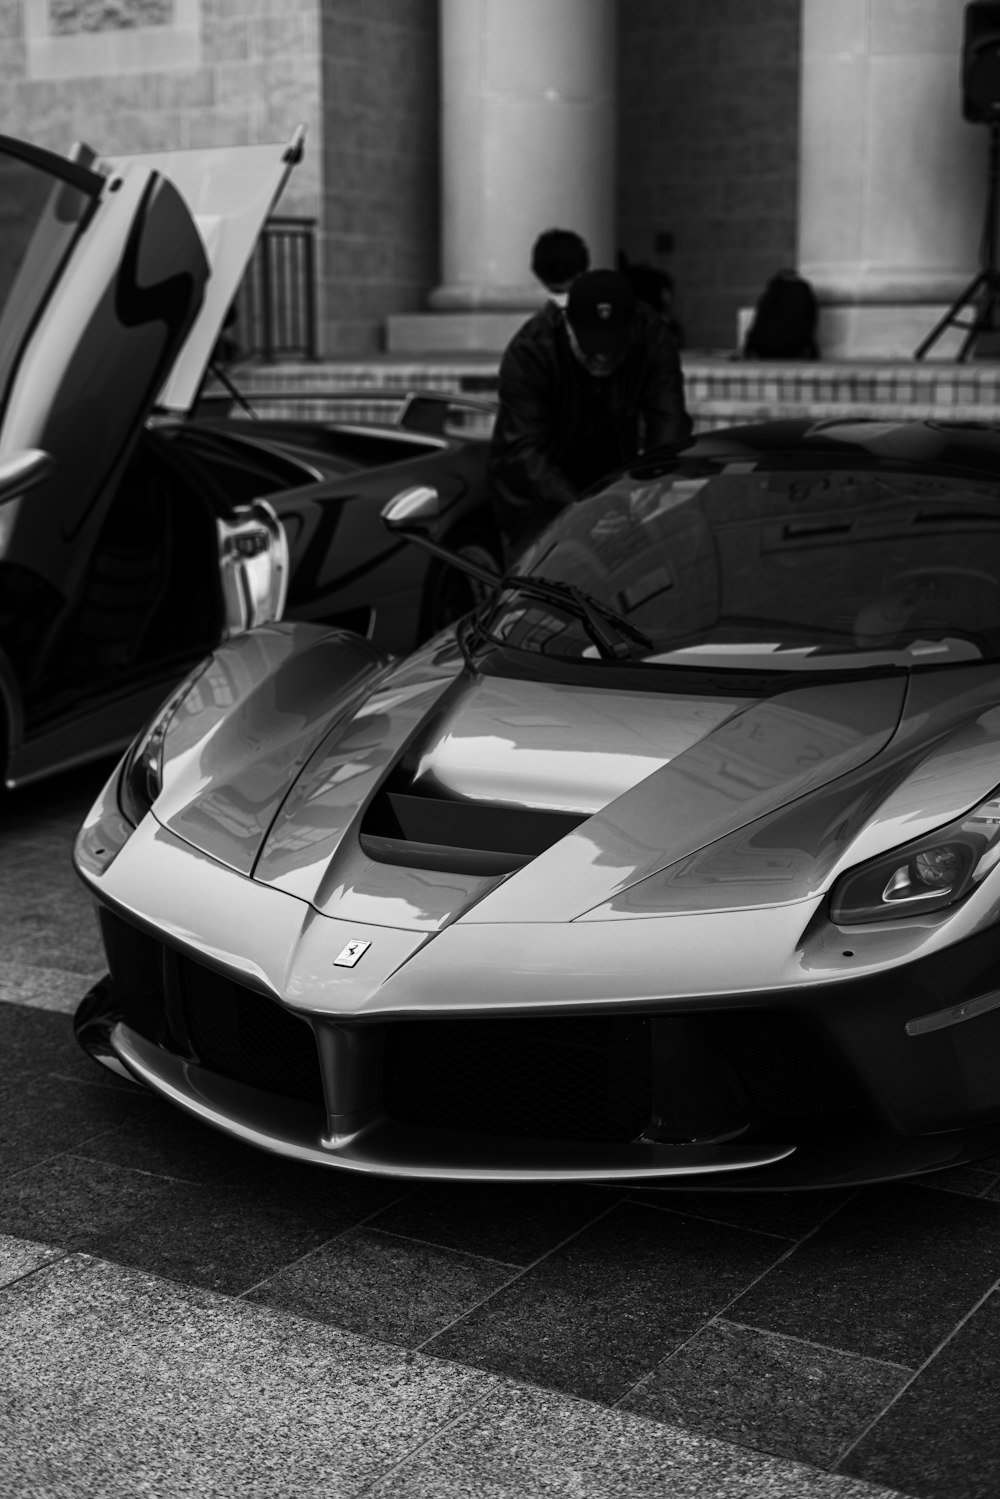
[981, 62]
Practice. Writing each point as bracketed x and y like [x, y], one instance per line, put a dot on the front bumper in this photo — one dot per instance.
[819, 1085]
[769, 1154]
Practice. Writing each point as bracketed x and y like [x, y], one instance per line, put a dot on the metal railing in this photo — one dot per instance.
[276, 303]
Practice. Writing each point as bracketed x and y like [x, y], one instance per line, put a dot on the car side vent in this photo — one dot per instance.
[430, 832]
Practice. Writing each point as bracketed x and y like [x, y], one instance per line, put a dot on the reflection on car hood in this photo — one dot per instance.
[600, 790]
[647, 777]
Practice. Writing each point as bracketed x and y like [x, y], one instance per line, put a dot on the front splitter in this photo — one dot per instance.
[386, 1147]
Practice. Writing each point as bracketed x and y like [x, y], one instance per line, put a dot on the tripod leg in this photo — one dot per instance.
[989, 273]
[967, 296]
[983, 321]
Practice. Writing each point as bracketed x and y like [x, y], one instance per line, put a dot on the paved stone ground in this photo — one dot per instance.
[181, 1315]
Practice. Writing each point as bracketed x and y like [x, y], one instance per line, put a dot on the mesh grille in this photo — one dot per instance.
[572, 1078]
[784, 1064]
[247, 1037]
[589, 1078]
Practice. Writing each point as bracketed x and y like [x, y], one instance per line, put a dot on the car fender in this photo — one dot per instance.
[248, 723]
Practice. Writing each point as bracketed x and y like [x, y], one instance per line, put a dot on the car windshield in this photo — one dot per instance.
[771, 566]
[41, 213]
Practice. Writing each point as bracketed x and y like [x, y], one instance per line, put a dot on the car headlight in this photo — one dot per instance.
[925, 875]
[142, 773]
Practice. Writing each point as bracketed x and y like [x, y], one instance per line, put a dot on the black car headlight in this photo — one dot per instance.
[142, 773]
[926, 875]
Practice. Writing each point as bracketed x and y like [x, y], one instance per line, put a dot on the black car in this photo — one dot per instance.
[134, 535]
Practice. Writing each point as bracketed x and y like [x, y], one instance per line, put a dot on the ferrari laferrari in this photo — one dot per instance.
[676, 862]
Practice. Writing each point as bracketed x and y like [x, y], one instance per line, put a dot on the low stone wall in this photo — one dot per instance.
[719, 391]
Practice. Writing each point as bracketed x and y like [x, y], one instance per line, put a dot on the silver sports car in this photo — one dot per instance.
[674, 863]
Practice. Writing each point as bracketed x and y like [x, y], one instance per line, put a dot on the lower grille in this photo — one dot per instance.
[247, 1037]
[564, 1077]
[572, 1078]
[592, 1078]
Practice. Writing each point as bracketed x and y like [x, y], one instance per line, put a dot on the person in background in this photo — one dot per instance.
[557, 256]
[582, 391]
[654, 286]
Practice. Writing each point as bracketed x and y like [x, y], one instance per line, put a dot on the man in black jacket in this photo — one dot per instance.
[582, 392]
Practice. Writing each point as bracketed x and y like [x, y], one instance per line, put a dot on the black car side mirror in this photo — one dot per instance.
[24, 470]
[411, 513]
[412, 508]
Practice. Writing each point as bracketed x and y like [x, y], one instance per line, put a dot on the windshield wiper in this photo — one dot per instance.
[610, 631]
[470, 630]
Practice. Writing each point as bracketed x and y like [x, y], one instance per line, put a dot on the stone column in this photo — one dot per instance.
[892, 183]
[527, 143]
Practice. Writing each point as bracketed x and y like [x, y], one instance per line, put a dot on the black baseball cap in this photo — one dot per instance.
[600, 310]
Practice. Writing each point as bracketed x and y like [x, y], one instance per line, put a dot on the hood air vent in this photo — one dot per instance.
[466, 837]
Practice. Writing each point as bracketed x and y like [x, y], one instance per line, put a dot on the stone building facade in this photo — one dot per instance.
[740, 136]
[133, 75]
[708, 146]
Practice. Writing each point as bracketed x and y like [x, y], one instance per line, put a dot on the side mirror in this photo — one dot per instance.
[24, 470]
[412, 509]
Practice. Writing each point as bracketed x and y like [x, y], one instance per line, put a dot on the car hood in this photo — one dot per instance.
[447, 796]
[229, 191]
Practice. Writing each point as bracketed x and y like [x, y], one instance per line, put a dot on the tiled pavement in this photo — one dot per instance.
[181, 1315]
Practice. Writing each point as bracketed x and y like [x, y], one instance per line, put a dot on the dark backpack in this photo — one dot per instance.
[784, 320]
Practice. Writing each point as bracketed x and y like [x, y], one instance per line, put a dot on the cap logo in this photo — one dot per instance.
[604, 311]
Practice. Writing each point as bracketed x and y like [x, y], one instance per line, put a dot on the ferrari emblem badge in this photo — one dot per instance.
[352, 952]
[604, 311]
